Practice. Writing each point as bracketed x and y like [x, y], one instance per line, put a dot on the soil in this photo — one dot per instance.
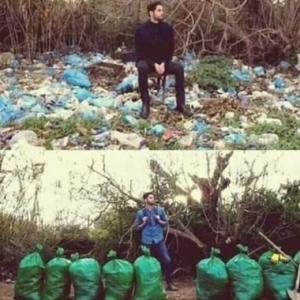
[186, 291]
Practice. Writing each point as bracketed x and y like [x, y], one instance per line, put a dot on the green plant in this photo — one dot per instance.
[213, 72]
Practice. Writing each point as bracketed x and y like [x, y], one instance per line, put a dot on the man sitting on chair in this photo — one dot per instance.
[154, 42]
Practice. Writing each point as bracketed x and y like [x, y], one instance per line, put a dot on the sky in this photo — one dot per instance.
[66, 171]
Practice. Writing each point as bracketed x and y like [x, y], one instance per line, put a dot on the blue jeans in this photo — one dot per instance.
[160, 251]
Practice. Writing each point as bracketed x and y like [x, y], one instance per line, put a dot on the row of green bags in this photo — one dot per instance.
[35, 281]
[246, 278]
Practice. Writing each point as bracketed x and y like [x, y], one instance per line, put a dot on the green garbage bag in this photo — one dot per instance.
[30, 276]
[245, 275]
[119, 276]
[297, 257]
[86, 277]
[278, 276]
[212, 278]
[57, 279]
[148, 278]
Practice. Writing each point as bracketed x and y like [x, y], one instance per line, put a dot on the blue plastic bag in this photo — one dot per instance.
[77, 78]
[157, 130]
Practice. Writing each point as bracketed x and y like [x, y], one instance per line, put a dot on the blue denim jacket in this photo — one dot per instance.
[152, 233]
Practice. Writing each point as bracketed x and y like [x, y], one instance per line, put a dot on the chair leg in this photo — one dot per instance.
[164, 87]
[157, 85]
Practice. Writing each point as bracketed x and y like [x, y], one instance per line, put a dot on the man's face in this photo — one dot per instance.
[158, 13]
[150, 200]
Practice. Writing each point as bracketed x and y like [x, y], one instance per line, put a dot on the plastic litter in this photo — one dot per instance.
[246, 276]
[83, 94]
[128, 139]
[73, 60]
[244, 99]
[201, 127]
[279, 83]
[57, 279]
[107, 102]
[284, 64]
[212, 278]
[241, 75]
[30, 276]
[294, 99]
[89, 115]
[128, 84]
[148, 278]
[119, 277]
[235, 138]
[130, 120]
[27, 136]
[77, 78]
[131, 106]
[86, 277]
[157, 130]
[171, 103]
[259, 71]
[26, 102]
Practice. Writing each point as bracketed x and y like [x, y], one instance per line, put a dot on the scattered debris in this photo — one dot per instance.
[92, 102]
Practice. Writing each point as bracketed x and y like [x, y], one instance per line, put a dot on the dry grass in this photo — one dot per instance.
[249, 29]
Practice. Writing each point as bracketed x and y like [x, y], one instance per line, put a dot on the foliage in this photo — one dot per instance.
[213, 72]
[260, 31]
[193, 222]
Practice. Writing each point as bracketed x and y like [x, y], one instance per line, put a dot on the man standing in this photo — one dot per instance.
[150, 222]
[154, 42]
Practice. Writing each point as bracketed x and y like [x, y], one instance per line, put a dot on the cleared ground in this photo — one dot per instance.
[186, 291]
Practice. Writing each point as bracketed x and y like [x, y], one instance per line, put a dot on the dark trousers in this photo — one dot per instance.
[171, 68]
[160, 252]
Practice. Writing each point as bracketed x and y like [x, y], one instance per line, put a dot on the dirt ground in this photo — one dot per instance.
[186, 291]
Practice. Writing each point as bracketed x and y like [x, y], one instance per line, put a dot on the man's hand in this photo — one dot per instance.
[162, 66]
[145, 219]
[160, 69]
[157, 217]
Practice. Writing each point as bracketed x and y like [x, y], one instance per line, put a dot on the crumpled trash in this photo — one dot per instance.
[128, 139]
[279, 83]
[77, 78]
[130, 120]
[131, 106]
[241, 75]
[74, 60]
[107, 102]
[201, 127]
[284, 64]
[235, 138]
[128, 84]
[190, 61]
[101, 140]
[264, 140]
[171, 134]
[157, 130]
[27, 135]
[259, 71]
[171, 102]
[9, 112]
[89, 115]
[83, 94]
[26, 101]
[293, 99]
[244, 99]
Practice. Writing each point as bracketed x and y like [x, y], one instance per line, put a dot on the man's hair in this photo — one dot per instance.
[152, 6]
[146, 195]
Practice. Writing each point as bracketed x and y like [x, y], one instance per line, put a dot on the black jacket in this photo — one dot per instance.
[154, 42]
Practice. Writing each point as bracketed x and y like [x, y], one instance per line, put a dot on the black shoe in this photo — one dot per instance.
[184, 110]
[172, 288]
[145, 113]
